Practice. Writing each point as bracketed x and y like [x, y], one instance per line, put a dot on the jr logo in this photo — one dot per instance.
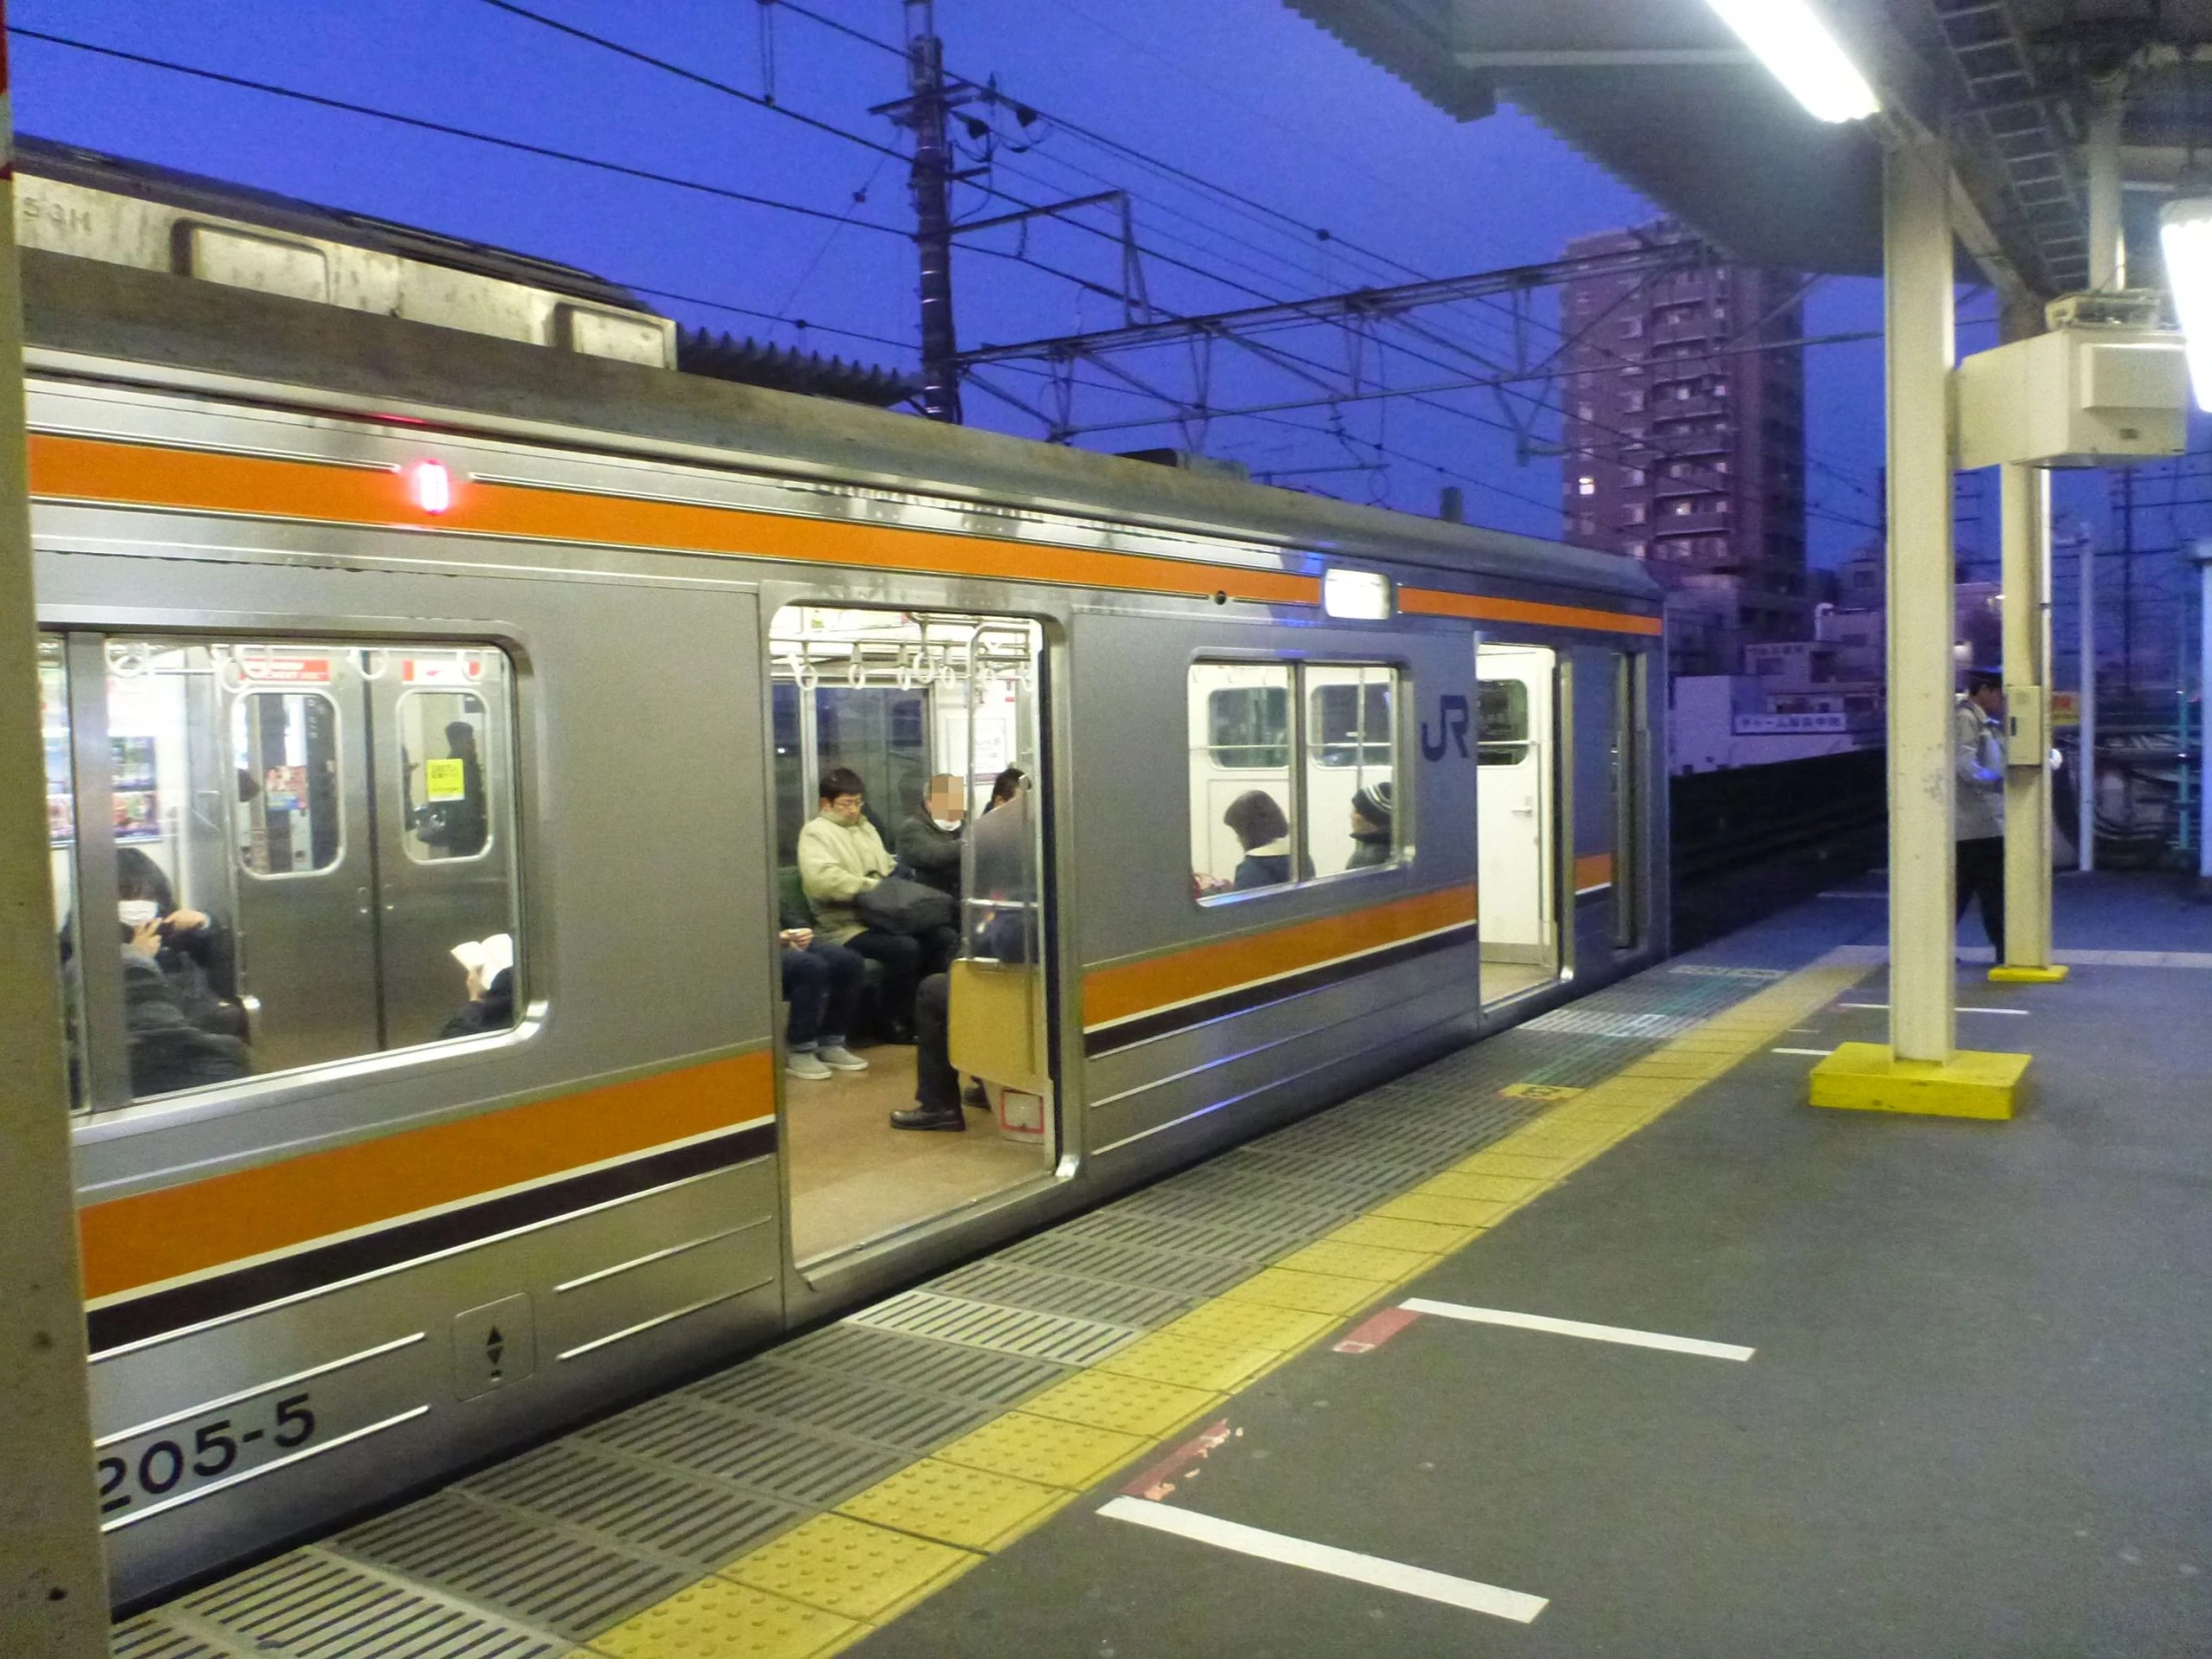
[1451, 728]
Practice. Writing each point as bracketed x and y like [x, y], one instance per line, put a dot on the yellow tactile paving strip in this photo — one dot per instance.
[832, 1580]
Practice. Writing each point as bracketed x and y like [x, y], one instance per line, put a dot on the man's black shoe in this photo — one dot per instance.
[921, 1117]
[974, 1096]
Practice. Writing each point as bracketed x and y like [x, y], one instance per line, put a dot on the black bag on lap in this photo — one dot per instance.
[897, 905]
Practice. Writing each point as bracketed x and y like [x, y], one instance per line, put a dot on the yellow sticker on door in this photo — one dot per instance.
[444, 780]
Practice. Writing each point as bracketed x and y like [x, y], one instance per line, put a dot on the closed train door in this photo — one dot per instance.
[1517, 817]
[916, 1072]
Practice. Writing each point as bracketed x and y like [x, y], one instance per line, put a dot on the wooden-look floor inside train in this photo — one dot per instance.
[855, 1177]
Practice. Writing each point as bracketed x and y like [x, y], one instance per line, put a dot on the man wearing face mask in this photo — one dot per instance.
[930, 840]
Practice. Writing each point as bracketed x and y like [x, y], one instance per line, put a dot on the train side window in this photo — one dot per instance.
[1243, 800]
[1501, 731]
[1352, 820]
[312, 850]
[1250, 727]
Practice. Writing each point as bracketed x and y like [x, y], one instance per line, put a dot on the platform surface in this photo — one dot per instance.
[1695, 1369]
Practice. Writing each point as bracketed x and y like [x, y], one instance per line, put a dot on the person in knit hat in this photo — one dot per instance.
[1371, 833]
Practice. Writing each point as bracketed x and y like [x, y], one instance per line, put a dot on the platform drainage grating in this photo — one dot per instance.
[1097, 1260]
[977, 1374]
[848, 1404]
[545, 1577]
[151, 1637]
[1034, 1336]
[772, 1458]
[1012, 1285]
[308, 1606]
[693, 1519]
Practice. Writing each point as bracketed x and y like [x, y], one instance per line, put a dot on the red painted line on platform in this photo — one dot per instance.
[1157, 1479]
[1373, 1333]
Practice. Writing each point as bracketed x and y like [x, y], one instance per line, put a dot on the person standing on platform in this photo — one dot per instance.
[1977, 754]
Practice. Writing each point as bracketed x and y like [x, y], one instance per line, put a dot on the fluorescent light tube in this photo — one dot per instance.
[2186, 233]
[1788, 37]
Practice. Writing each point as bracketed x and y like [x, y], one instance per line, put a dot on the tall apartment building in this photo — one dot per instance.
[1685, 445]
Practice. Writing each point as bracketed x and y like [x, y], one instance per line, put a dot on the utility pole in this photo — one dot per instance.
[929, 181]
[53, 1586]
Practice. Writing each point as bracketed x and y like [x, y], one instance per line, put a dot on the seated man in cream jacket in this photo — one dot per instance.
[841, 856]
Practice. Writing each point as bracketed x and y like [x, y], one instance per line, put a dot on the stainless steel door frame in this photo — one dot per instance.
[308, 940]
[428, 904]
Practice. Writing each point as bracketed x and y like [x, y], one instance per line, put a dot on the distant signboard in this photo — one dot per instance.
[2065, 708]
[1752, 726]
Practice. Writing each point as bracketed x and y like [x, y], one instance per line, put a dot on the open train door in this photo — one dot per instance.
[941, 718]
[1517, 817]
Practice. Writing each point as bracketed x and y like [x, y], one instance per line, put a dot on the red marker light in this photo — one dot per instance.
[433, 486]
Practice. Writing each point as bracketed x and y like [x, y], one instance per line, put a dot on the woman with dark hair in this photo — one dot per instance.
[1263, 831]
[194, 951]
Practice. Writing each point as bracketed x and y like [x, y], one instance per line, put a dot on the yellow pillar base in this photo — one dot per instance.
[2006, 975]
[1867, 1077]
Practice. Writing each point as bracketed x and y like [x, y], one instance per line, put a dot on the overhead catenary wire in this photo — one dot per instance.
[450, 130]
[1291, 362]
[1538, 403]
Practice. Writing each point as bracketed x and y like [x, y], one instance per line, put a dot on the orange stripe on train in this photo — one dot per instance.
[179, 1231]
[149, 475]
[94, 469]
[1479, 608]
[1130, 988]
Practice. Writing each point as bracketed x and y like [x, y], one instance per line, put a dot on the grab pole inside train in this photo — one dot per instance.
[53, 1583]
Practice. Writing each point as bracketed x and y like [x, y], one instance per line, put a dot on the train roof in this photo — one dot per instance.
[164, 323]
[42, 158]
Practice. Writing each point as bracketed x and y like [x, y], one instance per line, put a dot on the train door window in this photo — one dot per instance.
[274, 911]
[442, 770]
[1243, 802]
[1517, 828]
[61, 841]
[1350, 767]
[928, 731]
[286, 743]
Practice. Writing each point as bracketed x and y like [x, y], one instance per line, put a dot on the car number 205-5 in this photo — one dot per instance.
[199, 1451]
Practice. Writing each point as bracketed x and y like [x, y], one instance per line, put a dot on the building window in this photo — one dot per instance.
[1257, 823]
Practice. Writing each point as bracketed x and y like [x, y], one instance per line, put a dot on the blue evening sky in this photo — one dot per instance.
[1244, 94]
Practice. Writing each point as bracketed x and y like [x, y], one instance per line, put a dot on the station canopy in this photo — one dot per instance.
[1663, 96]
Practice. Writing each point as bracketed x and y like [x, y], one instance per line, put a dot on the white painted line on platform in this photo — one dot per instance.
[2016, 1013]
[1470, 1593]
[1800, 1051]
[1575, 1327]
[1874, 955]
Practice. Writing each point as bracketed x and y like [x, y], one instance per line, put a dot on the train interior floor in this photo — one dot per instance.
[1592, 1338]
[1502, 981]
[854, 1178]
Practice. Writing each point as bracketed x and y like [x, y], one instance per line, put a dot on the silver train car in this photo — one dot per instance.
[388, 665]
